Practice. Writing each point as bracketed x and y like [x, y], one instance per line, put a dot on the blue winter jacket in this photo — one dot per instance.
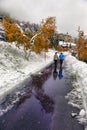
[61, 56]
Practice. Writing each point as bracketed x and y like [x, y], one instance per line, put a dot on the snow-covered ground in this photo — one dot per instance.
[15, 69]
[77, 70]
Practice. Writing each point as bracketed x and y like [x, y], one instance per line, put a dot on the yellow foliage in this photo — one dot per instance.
[13, 33]
[41, 41]
[82, 48]
[48, 26]
[40, 44]
[59, 48]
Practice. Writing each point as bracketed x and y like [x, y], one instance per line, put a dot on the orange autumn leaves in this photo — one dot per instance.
[13, 33]
[82, 47]
[48, 28]
[41, 37]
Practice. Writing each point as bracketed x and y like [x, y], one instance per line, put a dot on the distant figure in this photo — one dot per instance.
[60, 75]
[61, 58]
[55, 61]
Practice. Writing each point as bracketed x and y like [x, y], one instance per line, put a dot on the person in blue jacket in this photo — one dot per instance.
[61, 58]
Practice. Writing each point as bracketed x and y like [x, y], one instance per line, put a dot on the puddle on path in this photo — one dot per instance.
[41, 105]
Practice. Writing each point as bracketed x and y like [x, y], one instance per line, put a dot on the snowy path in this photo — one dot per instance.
[42, 105]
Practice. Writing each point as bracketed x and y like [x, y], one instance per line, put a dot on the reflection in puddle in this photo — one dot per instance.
[30, 103]
[55, 75]
[20, 95]
[38, 92]
[37, 106]
[45, 101]
[58, 74]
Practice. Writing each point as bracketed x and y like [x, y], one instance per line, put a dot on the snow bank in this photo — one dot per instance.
[77, 70]
[14, 68]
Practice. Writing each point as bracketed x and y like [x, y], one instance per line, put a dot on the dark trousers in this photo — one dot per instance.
[55, 65]
[61, 62]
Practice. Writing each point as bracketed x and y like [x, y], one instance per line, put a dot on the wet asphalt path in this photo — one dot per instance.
[43, 105]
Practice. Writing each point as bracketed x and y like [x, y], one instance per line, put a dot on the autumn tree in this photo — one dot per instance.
[41, 40]
[36, 41]
[82, 46]
[14, 34]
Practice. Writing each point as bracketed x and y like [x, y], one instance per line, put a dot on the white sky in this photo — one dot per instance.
[69, 13]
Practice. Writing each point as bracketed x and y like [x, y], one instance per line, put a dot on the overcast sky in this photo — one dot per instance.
[69, 13]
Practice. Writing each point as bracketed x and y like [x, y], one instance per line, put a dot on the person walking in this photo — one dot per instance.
[55, 62]
[61, 59]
